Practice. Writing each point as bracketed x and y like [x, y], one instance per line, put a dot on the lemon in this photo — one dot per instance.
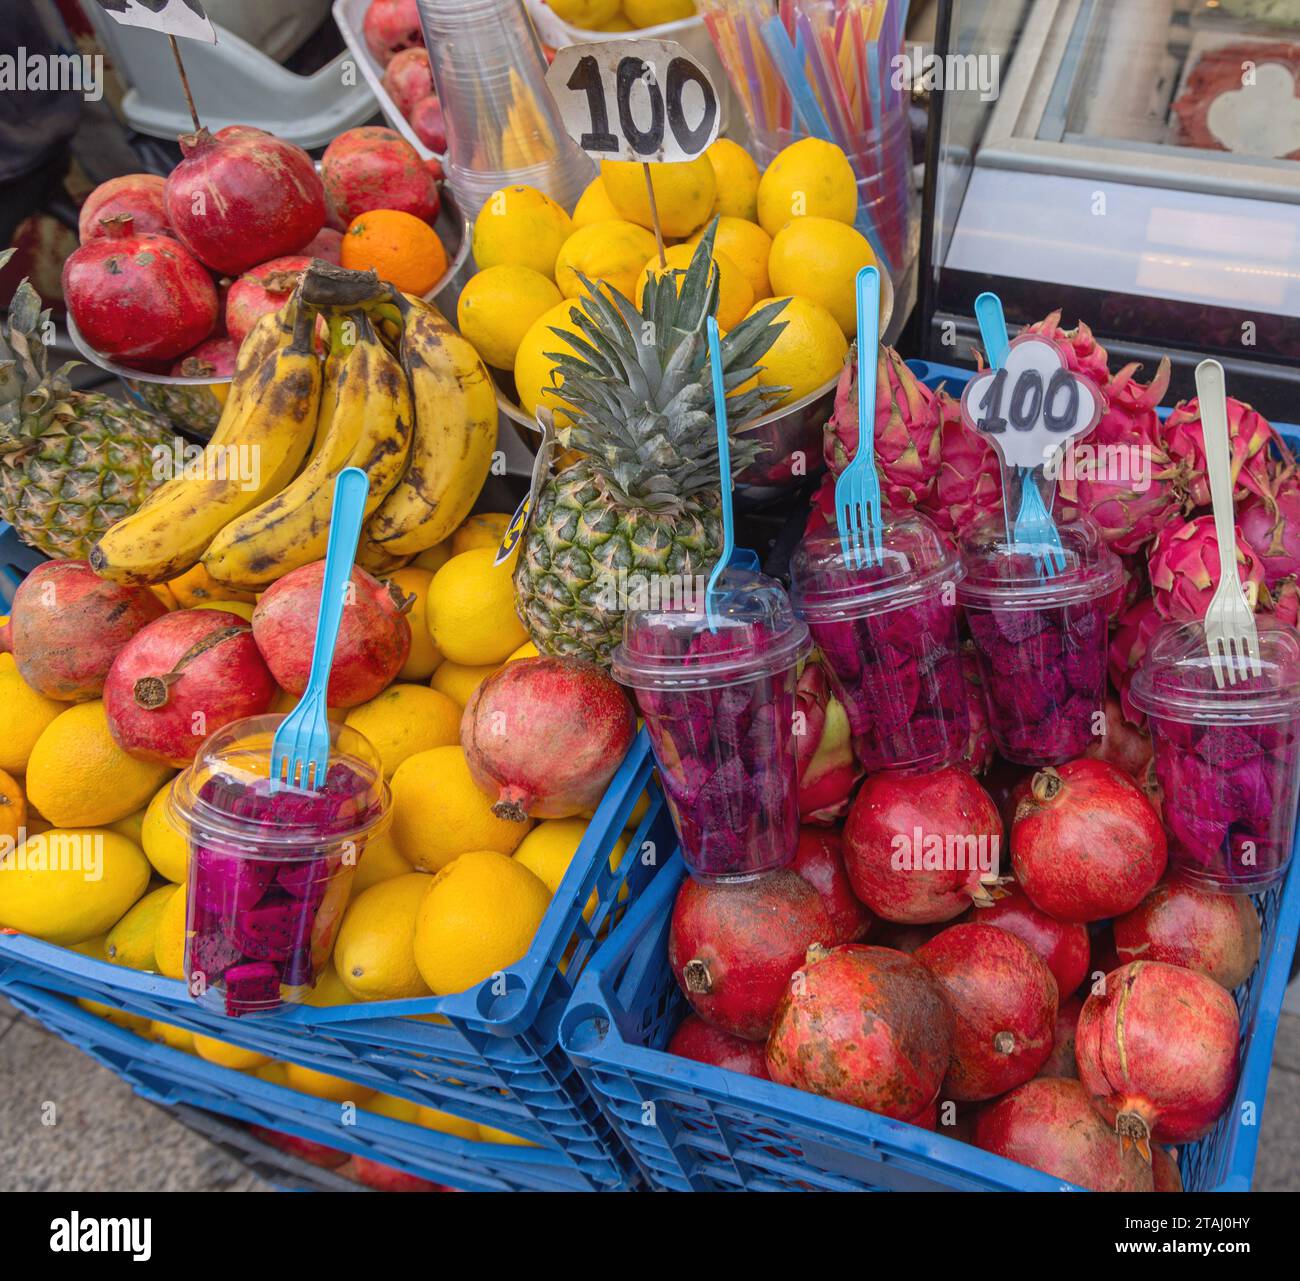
[684, 193]
[748, 246]
[424, 657]
[440, 814]
[131, 940]
[24, 716]
[445, 1123]
[240, 607]
[650, 13]
[479, 917]
[434, 558]
[471, 609]
[810, 178]
[322, 1085]
[329, 990]
[638, 813]
[164, 844]
[594, 205]
[484, 529]
[590, 15]
[373, 954]
[179, 1038]
[490, 1134]
[819, 258]
[618, 24]
[536, 384]
[549, 848]
[77, 775]
[808, 352]
[169, 941]
[520, 227]
[497, 307]
[459, 680]
[406, 719]
[132, 827]
[614, 252]
[224, 1054]
[67, 885]
[737, 180]
[391, 1106]
[272, 1073]
[526, 650]
[380, 861]
[735, 295]
[117, 1017]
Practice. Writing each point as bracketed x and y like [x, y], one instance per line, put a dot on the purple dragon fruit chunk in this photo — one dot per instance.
[1226, 746]
[896, 692]
[252, 987]
[211, 954]
[270, 931]
[305, 878]
[983, 629]
[1085, 669]
[227, 881]
[1016, 625]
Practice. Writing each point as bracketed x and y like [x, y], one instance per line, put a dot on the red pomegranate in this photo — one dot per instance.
[1048, 1124]
[138, 194]
[819, 859]
[1215, 934]
[1003, 1001]
[1164, 1169]
[1086, 843]
[374, 168]
[430, 125]
[408, 78]
[307, 1149]
[919, 849]
[1062, 946]
[1122, 743]
[327, 244]
[138, 297]
[262, 289]
[1157, 1051]
[733, 947]
[67, 625]
[182, 678]
[866, 1026]
[389, 27]
[243, 196]
[1061, 1060]
[698, 1040]
[385, 1178]
[545, 735]
[374, 638]
[214, 358]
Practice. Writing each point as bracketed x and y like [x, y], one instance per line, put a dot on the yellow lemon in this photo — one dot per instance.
[638, 813]
[471, 609]
[273, 1073]
[613, 252]
[424, 656]
[169, 941]
[445, 1123]
[65, 886]
[484, 529]
[379, 861]
[549, 848]
[322, 1085]
[479, 916]
[526, 650]
[24, 716]
[164, 844]
[520, 227]
[77, 775]
[131, 941]
[808, 352]
[374, 955]
[224, 1054]
[735, 296]
[434, 558]
[536, 383]
[179, 1038]
[119, 1018]
[240, 607]
[748, 246]
[132, 826]
[737, 179]
[459, 680]
[406, 719]
[810, 178]
[391, 1106]
[440, 814]
[329, 989]
[618, 24]
[498, 306]
[590, 15]
[490, 1134]
[819, 258]
[684, 193]
[594, 205]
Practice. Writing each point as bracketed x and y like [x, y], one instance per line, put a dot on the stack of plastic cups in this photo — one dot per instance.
[503, 126]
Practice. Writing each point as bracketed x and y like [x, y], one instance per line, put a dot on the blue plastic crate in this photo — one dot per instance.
[17, 560]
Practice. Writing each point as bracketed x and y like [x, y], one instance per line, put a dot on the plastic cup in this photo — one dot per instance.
[719, 707]
[1041, 642]
[889, 635]
[269, 873]
[1227, 760]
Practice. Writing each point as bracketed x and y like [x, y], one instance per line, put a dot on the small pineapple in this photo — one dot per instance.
[642, 501]
[71, 462]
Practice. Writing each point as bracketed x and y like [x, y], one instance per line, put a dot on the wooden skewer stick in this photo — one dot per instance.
[654, 215]
[185, 82]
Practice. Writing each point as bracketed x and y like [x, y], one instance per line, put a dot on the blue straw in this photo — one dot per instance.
[787, 61]
[724, 469]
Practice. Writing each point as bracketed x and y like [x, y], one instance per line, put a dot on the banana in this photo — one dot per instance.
[375, 560]
[267, 423]
[370, 428]
[455, 435]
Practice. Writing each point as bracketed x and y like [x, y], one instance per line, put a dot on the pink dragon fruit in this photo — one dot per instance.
[1270, 525]
[821, 510]
[1082, 352]
[968, 488]
[828, 770]
[1184, 568]
[1252, 440]
[980, 748]
[1136, 625]
[1284, 600]
[907, 430]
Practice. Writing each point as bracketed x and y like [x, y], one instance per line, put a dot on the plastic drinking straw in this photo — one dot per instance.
[724, 470]
[809, 48]
[810, 113]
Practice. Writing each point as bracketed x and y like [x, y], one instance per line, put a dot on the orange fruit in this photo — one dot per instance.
[13, 809]
[405, 251]
[196, 587]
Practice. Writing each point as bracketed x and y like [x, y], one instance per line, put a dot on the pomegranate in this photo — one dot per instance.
[545, 735]
[391, 26]
[264, 288]
[243, 196]
[733, 947]
[138, 297]
[408, 78]
[866, 1026]
[1157, 1050]
[327, 244]
[67, 625]
[1049, 1125]
[1003, 1001]
[1086, 843]
[182, 678]
[819, 859]
[138, 194]
[214, 358]
[385, 1178]
[1062, 946]
[430, 126]
[698, 1040]
[903, 938]
[1164, 1169]
[919, 849]
[374, 638]
[1061, 1060]
[1215, 934]
[374, 168]
[307, 1149]
[1121, 742]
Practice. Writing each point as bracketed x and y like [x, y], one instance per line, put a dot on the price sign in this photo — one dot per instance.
[645, 100]
[1033, 406]
[172, 17]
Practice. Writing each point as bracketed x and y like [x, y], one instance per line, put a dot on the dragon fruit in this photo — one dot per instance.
[1082, 352]
[980, 748]
[1250, 437]
[828, 769]
[1184, 568]
[1136, 625]
[1269, 524]
[1284, 601]
[255, 986]
[968, 488]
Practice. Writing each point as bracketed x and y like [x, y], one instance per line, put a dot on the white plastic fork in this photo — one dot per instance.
[1229, 622]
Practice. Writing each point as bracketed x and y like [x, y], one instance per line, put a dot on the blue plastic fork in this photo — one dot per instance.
[300, 750]
[724, 469]
[857, 491]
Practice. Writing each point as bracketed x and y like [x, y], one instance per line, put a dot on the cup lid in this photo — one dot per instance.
[1176, 678]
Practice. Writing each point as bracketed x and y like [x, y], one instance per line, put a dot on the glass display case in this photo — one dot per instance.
[1133, 162]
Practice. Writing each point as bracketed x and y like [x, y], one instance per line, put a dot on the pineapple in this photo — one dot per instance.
[643, 496]
[71, 462]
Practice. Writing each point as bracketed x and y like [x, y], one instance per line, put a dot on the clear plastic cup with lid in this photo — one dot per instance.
[718, 695]
[888, 632]
[270, 871]
[1041, 640]
[1227, 760]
